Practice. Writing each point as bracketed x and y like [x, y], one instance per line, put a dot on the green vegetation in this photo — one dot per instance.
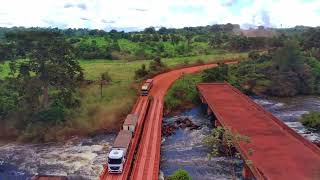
[58, 83]
[183, 92]
[284, 72]
[180, 174]
[222, 141]
[96, 113]
[311, 120]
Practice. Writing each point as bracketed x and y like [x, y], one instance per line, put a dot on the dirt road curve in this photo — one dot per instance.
[146, 164]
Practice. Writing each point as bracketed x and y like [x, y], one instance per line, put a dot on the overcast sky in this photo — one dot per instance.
[138, 14]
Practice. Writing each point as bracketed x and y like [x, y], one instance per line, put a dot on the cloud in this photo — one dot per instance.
[68, 5]
[230, 2]
[81, 6]
[142, 10]
[107, 22]
[134, 15]
[83, 18]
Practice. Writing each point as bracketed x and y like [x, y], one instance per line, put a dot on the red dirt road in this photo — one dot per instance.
[147, 161]
[279, 153]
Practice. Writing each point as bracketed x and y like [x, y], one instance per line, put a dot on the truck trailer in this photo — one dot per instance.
[118, 153]
[130, 122]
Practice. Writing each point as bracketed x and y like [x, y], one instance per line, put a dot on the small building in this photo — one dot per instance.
[130, 122]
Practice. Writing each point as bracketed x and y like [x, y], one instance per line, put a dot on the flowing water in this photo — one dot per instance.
[289, 110]
[185, 150]
[82, 158]
[78, 158]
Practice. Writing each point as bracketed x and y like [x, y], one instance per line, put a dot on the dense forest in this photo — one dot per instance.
[147, 44]
[45, 85]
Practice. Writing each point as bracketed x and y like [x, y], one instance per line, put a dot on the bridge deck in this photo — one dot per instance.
[278, 151]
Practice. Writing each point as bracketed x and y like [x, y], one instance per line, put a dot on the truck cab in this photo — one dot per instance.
[118, 154]
[116, 160]
[146, 87]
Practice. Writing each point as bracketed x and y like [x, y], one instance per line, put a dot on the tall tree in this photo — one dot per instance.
[50, 64]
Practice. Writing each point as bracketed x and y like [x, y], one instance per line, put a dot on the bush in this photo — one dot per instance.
[156, 65]
[311, 120]
[219, 73]
[183, 92]
[142, 72]
[55, 113]
[106, 77]
[180, 175]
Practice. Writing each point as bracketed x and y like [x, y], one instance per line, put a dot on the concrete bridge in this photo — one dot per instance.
[279, 153]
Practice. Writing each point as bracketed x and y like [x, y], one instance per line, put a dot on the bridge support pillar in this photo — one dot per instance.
[209, 111]
[246, 172]
[217, 123]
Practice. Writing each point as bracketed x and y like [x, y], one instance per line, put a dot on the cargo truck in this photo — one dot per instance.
[146, 87]
[118, 153]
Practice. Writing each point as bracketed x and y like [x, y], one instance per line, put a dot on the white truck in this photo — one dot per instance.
[146, 87]
[118, 154]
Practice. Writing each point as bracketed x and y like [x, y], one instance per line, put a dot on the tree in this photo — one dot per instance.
[50, 65]
[240, 43]
[219, 73]
[311, 120]
[188, 37]
[142, 72]
[150, 30]
[162, 30]
[104, 79]
[223, 138]
[175, 39]
[180, 174]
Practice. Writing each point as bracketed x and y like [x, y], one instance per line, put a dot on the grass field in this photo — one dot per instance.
[119, 96]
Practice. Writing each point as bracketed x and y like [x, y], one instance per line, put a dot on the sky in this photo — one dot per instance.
[132, 15]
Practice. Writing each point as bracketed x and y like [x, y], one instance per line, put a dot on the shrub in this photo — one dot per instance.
[180, 175]
[142, 72]
[183, 92]
[311, 120]
[55, 113]
[216, 74]
[106, 77]
[156, 65]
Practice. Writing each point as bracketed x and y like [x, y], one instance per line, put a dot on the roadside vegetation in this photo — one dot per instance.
[291, 69]
[222, 142]
[180, 174]
[183, 93]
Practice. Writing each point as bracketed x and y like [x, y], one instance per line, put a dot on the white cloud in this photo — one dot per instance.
[105, 14]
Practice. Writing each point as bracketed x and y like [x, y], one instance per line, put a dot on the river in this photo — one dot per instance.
[82, 158]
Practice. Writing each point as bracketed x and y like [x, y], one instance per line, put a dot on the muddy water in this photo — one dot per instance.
[78, 158]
